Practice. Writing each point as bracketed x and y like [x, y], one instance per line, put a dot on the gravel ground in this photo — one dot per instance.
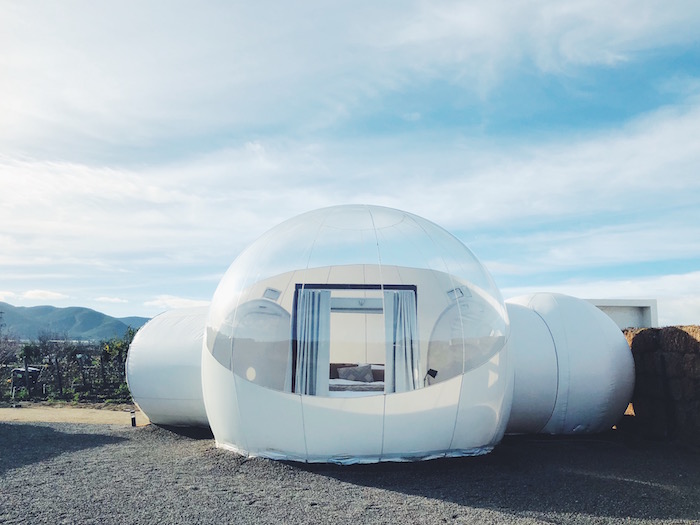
[79, 473]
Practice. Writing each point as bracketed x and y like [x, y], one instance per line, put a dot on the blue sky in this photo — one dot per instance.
[144, 145]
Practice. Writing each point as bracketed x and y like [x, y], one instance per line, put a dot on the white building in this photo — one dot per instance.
[630, 313]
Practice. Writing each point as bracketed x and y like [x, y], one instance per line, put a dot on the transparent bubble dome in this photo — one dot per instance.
[357, 297]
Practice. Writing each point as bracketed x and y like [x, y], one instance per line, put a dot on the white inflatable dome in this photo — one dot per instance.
[163, 368]
[357, 334]
[574, 372]
[362, 334]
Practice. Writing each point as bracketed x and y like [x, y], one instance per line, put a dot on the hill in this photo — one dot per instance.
[76, 322]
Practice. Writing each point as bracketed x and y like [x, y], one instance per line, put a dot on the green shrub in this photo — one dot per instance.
[123, 392]
[21, 394]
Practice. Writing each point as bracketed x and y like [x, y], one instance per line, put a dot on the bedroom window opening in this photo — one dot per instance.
[343, 336]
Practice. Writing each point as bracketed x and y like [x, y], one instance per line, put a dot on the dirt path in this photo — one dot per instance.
[67, 414]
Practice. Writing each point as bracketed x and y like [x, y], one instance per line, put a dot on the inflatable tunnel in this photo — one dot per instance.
[574, 372]
[163, 368]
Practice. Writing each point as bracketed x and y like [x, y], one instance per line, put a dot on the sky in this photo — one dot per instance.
[144, 145]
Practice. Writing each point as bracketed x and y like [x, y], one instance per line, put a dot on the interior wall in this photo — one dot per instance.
[360, 338]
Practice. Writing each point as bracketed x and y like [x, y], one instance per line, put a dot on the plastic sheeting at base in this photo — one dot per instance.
[363, 460]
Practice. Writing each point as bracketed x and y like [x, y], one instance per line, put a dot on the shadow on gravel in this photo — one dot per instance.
[602, 476]
[23, 444]
[190, 432]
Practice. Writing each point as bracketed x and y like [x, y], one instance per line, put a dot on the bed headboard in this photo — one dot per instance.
[377, 370]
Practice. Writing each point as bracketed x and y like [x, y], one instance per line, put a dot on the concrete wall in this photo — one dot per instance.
[630, 313]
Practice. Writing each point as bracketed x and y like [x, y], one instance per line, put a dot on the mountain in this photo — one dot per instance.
[75, 322]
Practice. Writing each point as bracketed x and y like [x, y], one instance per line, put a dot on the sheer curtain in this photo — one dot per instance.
[402, 371]
[313, 342]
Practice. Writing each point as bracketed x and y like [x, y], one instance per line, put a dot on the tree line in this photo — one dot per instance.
[53, 367]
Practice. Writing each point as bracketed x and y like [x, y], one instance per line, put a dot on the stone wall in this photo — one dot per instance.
[667, 390]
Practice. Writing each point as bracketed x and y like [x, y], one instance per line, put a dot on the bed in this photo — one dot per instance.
[356, 380]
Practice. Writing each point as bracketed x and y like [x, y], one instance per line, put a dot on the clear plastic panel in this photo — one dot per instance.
[355, 253]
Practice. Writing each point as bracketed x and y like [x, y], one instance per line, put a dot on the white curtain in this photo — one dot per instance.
[402, 371]
[313, 321]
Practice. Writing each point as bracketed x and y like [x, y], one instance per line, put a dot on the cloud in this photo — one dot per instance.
[168, 302]
[156, 161]
[261, 68]
[591, 246]
[115, 300]
[7, 296]
[679, 311]
[71, 202]
[550, 201]
[44, 295]
[677, 295]
[551, 34]
[460, 181]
